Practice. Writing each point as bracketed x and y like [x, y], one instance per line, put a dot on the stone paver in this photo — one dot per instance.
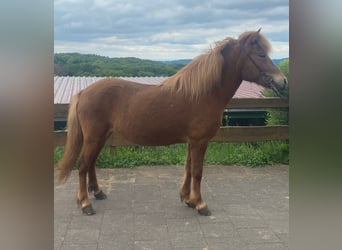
[250, 210]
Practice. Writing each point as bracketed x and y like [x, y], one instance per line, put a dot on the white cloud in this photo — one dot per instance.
[164, 29]
[279, 50]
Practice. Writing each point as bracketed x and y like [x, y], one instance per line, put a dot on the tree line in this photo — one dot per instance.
[76, 64]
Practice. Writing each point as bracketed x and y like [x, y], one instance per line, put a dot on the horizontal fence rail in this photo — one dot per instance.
[61, 110]
[245, 103]
[224, 134]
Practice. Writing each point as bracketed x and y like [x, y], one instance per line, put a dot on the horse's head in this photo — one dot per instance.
[257, 66]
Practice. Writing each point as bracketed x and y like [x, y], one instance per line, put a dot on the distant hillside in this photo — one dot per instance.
[75, 64]
[179, 62]
[277, 61]
[186, 61]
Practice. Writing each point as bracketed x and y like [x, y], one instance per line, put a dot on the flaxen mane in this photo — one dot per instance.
[202, 74]
[198, 78]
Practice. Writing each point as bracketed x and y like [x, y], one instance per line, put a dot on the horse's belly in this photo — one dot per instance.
[153, 119]
[152, 136]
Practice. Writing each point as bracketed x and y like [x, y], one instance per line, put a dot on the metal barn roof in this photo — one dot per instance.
[66, 86]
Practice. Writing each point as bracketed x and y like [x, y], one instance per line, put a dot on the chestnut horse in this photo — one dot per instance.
[185, 107]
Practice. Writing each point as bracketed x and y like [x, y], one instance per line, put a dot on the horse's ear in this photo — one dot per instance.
[249, 38]
[258, 31]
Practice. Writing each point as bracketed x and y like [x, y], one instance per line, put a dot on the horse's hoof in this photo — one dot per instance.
[88, 210]
[100, 196]
[204, 211]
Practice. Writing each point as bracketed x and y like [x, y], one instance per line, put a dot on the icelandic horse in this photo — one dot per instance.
[186, 107]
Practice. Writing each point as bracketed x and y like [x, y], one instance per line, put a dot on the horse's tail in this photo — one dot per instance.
[74, 142]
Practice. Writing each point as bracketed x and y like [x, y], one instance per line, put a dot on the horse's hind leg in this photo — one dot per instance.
[185, 189]
[93, 185]
[89, 155]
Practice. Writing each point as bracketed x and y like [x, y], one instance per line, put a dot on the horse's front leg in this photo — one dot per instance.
[185, 189]
[195, 200]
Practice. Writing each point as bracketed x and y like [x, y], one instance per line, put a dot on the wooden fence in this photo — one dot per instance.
[224, 134]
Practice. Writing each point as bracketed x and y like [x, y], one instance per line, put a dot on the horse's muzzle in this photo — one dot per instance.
[279, 88]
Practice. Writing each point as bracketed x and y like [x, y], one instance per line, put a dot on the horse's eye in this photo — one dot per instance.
[262, 55]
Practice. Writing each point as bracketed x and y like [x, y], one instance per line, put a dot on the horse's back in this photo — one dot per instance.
[103, 102]
[108, 93]
[112, 87]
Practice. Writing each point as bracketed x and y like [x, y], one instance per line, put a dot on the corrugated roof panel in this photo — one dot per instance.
[66, 86]
[249, 90]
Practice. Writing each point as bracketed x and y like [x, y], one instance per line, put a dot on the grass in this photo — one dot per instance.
[247, 154]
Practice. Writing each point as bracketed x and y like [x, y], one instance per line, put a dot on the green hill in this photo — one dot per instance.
[75, 64]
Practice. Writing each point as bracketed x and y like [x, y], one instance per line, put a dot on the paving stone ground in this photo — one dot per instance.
[250, 210]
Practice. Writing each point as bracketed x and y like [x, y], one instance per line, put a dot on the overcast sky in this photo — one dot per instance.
[165, 29]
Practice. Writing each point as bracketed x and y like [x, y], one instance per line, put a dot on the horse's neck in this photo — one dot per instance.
[231, 74]
[231, 81]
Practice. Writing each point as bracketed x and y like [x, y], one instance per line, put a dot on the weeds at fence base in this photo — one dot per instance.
[223, 153]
